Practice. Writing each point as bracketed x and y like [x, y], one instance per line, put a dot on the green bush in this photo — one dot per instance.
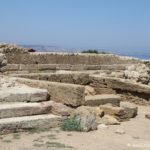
[90, 51]
[94, 51]
[71, 124]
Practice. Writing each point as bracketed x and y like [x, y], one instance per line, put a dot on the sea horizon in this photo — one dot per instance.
[50, 48]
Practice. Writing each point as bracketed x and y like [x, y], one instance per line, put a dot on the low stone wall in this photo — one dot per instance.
[53, 67]
[62, 58]
[73, 78]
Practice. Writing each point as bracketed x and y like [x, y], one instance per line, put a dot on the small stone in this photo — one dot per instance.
[147, 116]
[109, 120]
[110, 110]
[102, 126]
[120, 131]
[130, 109]
[89, 90]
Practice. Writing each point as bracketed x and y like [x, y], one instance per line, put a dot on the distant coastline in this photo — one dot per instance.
[49, 48]
[143, 57]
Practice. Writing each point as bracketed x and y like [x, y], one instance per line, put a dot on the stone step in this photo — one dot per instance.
[23, 93]
[69, 94]
[102, 99]
[23, 109]
[47, 121]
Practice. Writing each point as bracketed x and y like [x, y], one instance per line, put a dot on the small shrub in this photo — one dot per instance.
[91, 51]
[71, 124]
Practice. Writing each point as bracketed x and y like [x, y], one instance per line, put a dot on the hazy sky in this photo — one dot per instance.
[104, 24]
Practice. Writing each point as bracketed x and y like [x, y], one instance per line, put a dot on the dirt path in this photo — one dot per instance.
[136, 137]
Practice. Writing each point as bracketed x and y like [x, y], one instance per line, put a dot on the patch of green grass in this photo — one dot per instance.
[56, 145]
[7, 141]
[52, 137]
[71, 124]
[38, 140]
[16, 136]
[38, 145]
[57, 131]
[34, 130]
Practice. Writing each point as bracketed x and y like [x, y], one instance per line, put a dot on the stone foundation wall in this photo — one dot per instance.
[37, 68]
[72, 59]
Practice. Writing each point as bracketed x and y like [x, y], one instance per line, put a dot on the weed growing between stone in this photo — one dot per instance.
[70, 124]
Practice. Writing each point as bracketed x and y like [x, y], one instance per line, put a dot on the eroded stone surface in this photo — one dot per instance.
[29, 122]
[12, 91]
[131, 110]
[58, 108]
[102, 99]
[10, 110]
[69, 94]
[109, 120]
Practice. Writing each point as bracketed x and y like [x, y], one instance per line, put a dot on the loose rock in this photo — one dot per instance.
[109, 120]
[147, 116]
[87, 118]
[130, 109]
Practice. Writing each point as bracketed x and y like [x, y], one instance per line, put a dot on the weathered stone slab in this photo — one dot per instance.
[29, 122]
[102, 99]
[11, 67]
[69, 94]
[9, 110]
[74, 78]
[121, 85]
[23, 93]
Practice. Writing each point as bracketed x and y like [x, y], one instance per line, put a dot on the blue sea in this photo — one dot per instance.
[143, 57]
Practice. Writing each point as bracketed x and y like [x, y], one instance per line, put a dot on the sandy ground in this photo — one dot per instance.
[136, 137]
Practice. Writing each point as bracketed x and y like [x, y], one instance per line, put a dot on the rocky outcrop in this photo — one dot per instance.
[3, 61]
[139, 73]
[12, 48]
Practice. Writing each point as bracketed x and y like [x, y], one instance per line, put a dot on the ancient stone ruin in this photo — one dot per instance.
[39, 90]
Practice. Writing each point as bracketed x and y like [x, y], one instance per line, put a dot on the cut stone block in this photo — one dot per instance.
[102, 99]
[130, 109]
[122, 85]
[23, 109]
[23, 93]
[29, 122]
[69, 94]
